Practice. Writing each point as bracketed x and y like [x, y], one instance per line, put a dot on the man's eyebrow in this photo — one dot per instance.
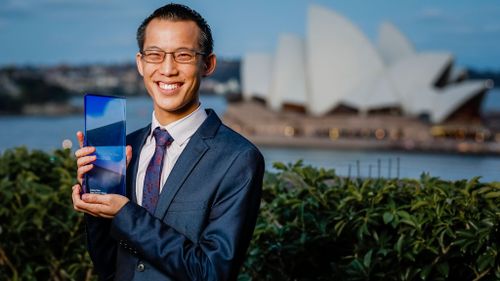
[152, 48]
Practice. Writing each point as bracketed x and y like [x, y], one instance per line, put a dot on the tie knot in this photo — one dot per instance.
[162, 137]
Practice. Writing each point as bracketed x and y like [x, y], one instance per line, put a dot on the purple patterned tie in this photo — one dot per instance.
[151, 190]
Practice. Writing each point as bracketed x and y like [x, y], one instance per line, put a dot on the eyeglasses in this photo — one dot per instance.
[180, 55]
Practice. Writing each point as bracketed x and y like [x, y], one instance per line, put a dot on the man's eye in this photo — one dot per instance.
[154, 55]
[184, 56]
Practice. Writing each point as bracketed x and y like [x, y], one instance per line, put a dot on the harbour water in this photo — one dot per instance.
[48, 133]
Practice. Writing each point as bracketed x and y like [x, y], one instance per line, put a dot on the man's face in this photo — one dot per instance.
[173, 86]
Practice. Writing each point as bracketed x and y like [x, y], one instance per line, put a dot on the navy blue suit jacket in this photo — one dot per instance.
[204, 219]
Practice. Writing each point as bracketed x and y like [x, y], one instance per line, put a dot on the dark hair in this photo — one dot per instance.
[178, 12]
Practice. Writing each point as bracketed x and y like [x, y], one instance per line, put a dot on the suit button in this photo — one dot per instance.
[140, 267]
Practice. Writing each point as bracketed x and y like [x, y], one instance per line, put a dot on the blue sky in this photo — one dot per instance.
[89, 31]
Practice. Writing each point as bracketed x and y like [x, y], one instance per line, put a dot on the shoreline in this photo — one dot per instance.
[274, 142]
[45, 110]
[382, 132]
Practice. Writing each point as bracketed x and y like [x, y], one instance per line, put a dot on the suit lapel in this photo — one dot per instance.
[188, 159]
[181, 170]
[137, 142]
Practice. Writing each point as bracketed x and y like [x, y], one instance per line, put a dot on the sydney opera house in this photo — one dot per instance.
[337, 69]
[335, 88]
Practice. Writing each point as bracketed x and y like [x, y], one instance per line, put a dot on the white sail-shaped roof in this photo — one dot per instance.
[340, 58]
[378, 93]
[392, 44]
[289, 74]
[449, 99]
[412, 77]
[256, 71]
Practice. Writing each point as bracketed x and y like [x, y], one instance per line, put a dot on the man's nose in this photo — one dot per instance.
[168, 66]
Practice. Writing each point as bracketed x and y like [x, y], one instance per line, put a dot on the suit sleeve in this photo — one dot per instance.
[221, 248]
[101, 247]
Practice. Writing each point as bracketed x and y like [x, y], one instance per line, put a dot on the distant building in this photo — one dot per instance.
[337, 69]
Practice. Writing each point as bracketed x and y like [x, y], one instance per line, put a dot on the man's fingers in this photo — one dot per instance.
[82, 161]
[75, 196]
[75, 190]
[84, 151]
[128, 152]
[82, 170]
[96, 198]
[80, 205]
[88, 209]
[93, 204]
[79, 136]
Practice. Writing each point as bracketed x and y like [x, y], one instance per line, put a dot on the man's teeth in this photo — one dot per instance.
[168, 86]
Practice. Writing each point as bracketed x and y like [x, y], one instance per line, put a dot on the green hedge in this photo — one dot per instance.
[313, 225]
[41, 236]
[317, 226]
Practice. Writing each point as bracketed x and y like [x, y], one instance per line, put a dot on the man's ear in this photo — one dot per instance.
[138, 62]
[209, 64]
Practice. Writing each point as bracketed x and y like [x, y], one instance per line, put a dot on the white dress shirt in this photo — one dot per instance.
[181, 131]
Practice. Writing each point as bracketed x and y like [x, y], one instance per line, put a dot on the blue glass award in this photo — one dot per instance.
[105, 130]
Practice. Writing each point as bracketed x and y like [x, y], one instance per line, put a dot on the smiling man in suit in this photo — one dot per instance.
[193, 184]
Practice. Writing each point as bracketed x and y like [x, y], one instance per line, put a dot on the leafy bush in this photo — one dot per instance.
[41, 236]
[317, 226]
[313, 225]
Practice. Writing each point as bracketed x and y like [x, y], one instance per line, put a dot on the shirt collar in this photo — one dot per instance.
[182, 129]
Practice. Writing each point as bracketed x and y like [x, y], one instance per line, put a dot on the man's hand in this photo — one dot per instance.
[98, 205]
[84, 159]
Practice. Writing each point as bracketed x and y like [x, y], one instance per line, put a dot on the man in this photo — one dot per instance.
[193, 184]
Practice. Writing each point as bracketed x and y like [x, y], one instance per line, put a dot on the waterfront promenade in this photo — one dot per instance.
[340, 131]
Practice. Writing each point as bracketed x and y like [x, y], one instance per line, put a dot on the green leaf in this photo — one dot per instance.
[279, 166]
[425, 272]
[358, 267]
[367, 259]
[493, 194]
[339, 226]
[399, 244]
[443, 268]
[388, 217]
[484, 261]
[404, 214]
[418, 204]
[409, 222]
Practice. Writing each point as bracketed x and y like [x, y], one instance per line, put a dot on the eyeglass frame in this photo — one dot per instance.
[165, 53]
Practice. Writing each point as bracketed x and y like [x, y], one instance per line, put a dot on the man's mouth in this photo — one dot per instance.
[168, 86]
